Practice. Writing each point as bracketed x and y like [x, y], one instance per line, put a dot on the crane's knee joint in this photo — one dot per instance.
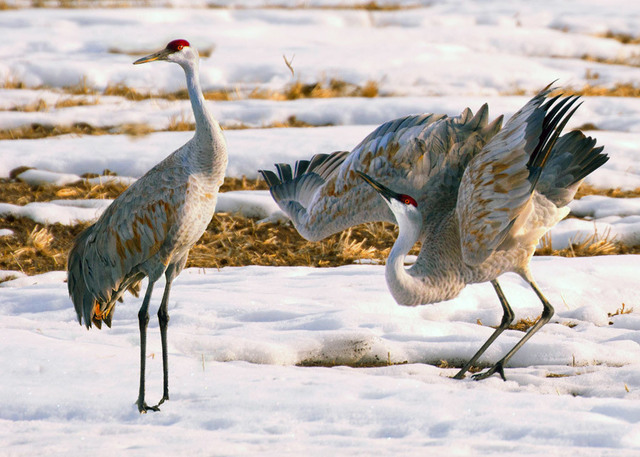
[143, 319]
[547, 312]
[507, 319]
[163, 316]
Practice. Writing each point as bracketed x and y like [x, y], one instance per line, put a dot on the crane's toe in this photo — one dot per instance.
[143, 407]
[497, 368]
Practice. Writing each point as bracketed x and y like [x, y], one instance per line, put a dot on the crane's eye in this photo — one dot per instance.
[408, 200]
[180, 47]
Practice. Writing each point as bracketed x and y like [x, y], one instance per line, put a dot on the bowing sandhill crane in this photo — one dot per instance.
[477, 196]
[149, 229]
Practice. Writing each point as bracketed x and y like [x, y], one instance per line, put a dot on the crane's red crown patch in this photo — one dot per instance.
[177, 45]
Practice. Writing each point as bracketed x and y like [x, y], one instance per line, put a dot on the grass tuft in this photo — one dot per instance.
[37, 106]
[524, 324]
[38, 131]
[81, 88]
[618, 90]
[623, 38]
[230, 240]
[593, 245]
[586, 189]
[622, 310]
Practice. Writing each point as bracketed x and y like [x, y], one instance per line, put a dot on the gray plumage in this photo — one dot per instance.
[150, 228]
[485, 195]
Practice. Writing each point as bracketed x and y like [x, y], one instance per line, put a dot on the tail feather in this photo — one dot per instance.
[573, 157]
[83, 299]
[299, 187]
[554, 122]
[89, 308]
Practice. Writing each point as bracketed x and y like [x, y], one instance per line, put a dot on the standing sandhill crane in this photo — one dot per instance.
[150, 228]
[477, 196]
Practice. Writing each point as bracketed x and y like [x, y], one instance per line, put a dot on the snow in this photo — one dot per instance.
[237, 333]
[238, 336]
[39, 177]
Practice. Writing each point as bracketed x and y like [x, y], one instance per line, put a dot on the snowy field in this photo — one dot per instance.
[239, 337]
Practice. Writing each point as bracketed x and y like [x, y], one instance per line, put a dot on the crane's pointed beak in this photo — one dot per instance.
[160, 55]
[385, 192]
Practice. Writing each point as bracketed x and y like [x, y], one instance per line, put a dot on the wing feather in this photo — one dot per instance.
[498, 184]
[405, 153]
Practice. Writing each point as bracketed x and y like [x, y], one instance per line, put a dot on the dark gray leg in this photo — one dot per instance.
[173, 270]
[163, 319]
[143, 321]
[547, 312]
[507, 318]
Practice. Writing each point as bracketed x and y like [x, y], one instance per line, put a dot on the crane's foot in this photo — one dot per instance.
[143, 407]
[497, 368]
[163, 399]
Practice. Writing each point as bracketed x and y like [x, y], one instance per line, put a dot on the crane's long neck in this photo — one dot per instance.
[402, 285]
[210, 145]
[427, 281]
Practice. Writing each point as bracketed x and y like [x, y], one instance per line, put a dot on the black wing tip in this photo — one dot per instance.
[556, 116]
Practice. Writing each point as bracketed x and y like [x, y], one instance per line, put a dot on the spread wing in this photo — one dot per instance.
[324, 195]
[499, 181]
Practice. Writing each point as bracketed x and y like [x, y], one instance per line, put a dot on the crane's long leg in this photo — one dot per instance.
[507, 318]
[143, 321]
[163, 319]
[172, 272]
[547, 312]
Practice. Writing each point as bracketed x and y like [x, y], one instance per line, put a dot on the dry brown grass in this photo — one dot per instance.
[630, 61]
[12, 82]
[38, 131]
[293, 91]
[176, 124]
[37, 106]
[368, 6]
[623, 38]
[586, 189]
[180, 124]
[230, 240]
[33, 248]
[122, 90]
[67, 102]
[594, 245]
[332, 88]
[622, 310]
[123, 4]
[81, 88]
[20, 193]
[618, 90]
[588, 90]
[524, 324]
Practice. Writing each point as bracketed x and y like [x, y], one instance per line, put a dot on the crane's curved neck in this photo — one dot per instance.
[423, 283]
[208, 132]
[403, 286]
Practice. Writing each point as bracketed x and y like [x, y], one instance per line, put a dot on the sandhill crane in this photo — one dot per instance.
[477, 196]
[149, 229]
